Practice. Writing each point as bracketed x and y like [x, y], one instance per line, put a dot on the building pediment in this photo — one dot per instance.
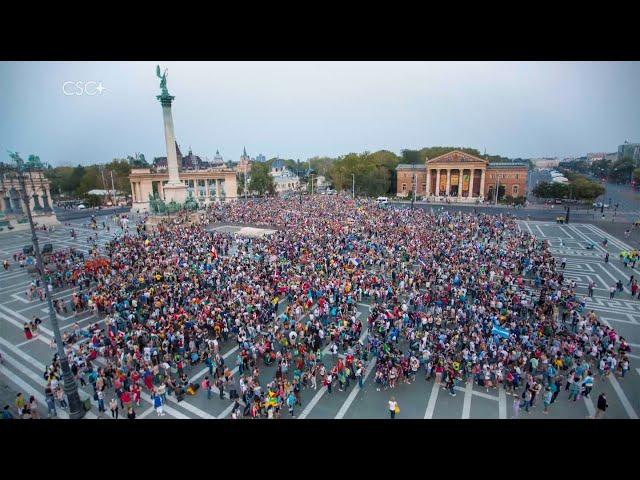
[456, 157]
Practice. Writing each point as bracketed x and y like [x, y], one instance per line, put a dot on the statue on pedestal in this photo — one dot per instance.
[173, 206]
[190, 203]
[157, 205]
[163, 81]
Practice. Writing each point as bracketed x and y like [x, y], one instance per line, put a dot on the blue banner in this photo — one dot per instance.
[502, 332]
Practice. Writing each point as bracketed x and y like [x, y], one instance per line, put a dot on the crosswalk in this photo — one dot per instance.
[25, 360]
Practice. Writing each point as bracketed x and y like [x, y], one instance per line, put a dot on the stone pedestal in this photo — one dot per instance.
[176, 192]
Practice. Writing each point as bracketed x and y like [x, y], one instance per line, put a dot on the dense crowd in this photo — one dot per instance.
[343, 289]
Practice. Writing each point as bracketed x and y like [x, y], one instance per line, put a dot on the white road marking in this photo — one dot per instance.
[30, 390]
[15, 322]
[589, 404]
[431, 406]
[354, 392]
[502, 404]
[146, 412]
[466, 406]
[623, 398]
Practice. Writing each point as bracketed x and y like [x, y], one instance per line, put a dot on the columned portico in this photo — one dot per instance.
[456, 174]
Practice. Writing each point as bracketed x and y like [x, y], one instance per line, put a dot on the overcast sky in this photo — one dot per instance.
[303, 109]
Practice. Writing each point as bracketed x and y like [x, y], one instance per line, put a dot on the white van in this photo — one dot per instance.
[382, 200]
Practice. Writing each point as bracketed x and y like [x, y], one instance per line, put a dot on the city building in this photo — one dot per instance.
[594, 157]
[206, 186]
[217, 160]
[461, 177]
[244, 166]
[546, 162]
[261, 158]
[185, 162]
[283, 178]
[13, 211]
[629, 150]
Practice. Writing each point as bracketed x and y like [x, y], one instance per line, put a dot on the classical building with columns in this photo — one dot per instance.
[12, 208]
[206, 186]
[461, 177]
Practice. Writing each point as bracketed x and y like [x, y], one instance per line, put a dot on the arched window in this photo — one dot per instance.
[515, 191]
[404, 187]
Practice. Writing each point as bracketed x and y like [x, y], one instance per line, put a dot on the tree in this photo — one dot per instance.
[601, 168]
[93, 200]
[71, 182]
[89, 181]
[121, 169]
[621, 170]
[261, 180]
[321, 165]
[551, 190]
[636, 175]
[240, 183]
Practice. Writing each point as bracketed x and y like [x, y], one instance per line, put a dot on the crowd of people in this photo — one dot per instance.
[343, 289]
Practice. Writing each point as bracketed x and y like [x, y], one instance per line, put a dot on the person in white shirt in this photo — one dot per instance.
[393, 405]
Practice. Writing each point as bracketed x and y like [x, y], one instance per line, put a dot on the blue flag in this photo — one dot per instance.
[502, 332]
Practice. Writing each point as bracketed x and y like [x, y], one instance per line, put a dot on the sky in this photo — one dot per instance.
[304, 109]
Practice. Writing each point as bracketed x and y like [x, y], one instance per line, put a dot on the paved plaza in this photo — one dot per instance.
[24, 360]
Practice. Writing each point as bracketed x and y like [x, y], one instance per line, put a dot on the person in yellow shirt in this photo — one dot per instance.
[20, 404]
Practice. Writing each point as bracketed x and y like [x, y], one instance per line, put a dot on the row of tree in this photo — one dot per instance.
[620, 171]
[579, 188]
[77, 181]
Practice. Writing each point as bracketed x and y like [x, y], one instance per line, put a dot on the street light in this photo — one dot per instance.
[76, 409]
[312, 175]
[353, 186]
[415, 186]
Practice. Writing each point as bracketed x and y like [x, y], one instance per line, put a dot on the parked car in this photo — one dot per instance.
[81, 207]
[599, 205]
[47, 248]
[382, 200]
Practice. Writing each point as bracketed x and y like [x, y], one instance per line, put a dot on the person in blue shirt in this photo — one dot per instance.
[587, 383]
[291, 401]
[551, 373]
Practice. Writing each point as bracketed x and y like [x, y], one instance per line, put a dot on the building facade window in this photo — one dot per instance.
[515, 190]
[190, 186]
[212, 188]
[404, 187]
[202, 188]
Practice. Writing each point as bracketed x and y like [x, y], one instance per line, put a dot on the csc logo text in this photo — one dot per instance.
[82, 88]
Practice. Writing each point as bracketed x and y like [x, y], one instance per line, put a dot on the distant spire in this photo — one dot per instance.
[217, 152]
[244, 151]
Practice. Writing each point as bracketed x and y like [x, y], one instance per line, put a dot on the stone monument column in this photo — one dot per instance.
[428, 190]
[483, 174]
[470, 195]
[174, 190]
[438, 182]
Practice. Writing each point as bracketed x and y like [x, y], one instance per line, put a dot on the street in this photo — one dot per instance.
[25, 360]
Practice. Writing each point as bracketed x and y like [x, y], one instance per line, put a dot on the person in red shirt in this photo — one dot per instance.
[135, 390]
[125, 399]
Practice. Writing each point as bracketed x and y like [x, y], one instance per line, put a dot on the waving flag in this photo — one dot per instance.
[499, 331]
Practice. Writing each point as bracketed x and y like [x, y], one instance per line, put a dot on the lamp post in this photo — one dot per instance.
[415, 186]
[353, 186]
[299, 183]
[76, 409]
